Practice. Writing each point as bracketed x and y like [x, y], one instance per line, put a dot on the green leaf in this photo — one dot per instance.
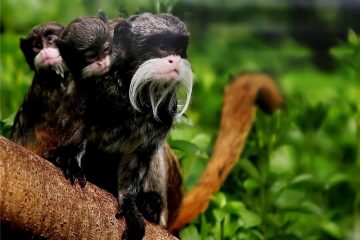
[353, 38]
[336, 179]
[250, 234]
[251, 184]
[333, 230]
[230, 227]
[250, 219]
[186, 146]
[249, 168]
[301, 178]
[219, 214]
[219, 199]
[290, 198]
[234, 207]
[190, 233]
[201, 140]
[204, 226]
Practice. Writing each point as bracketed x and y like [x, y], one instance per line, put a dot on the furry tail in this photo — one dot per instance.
[236, 121]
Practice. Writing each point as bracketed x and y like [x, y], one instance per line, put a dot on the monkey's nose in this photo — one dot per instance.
[173, 59]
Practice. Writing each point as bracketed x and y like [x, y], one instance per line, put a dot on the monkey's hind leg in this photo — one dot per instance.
[152, 201]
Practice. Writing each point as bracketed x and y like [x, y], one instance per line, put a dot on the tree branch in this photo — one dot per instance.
[35, 196]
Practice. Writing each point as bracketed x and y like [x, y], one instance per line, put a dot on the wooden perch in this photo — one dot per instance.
[236, 121]
[35, 197]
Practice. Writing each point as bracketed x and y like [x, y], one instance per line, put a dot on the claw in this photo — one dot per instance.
[69, 165]
[82, 181]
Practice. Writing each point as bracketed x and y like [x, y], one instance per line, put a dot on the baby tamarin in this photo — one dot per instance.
[131, 111]
[37, 114]
[85, 46]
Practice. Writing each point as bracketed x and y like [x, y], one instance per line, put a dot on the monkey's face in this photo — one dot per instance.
[86, 47]
[97, 59]
[158, 49]
[39, 48]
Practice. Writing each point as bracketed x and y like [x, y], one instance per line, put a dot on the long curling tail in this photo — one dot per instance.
[237, 118]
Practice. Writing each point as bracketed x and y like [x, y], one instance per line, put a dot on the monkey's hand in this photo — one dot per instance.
[150, 205]
[67, 158]
[135, 225]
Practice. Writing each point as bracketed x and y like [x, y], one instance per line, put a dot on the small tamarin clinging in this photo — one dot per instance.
[37, 114]
[85, 46]
[129, 112]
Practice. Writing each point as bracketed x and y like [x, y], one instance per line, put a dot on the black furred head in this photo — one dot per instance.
[153, 61]
[148, 36]
[86, 41]
[40, 37]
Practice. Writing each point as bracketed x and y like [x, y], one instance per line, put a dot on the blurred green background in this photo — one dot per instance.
[299, 176]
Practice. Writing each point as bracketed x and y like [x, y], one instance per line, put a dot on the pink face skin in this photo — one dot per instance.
[169, 68]
[47, 57]
[97, 68]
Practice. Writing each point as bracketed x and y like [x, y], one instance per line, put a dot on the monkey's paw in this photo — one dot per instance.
[135, 225]
[150, 205]
[65, 157]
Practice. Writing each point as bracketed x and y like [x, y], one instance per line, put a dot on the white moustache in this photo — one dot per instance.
[161, 85]
[50, 57]
[96, 68]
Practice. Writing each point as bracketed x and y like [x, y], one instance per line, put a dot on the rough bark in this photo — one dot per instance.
[236, 121]
[35, 197]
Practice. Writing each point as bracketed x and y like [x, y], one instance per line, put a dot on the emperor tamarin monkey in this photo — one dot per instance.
[131, 111]
[37, 114]
[36, 120]
[85, 46]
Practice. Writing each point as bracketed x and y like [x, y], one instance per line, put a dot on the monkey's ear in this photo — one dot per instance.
[65, 49]
[70, 55]
[102, 16]
[122, 34]
[26, 45]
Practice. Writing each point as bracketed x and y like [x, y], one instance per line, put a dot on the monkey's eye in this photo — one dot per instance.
[107, 48]
[162, 46]
[90, 57]
[51, 39]
[37, 44]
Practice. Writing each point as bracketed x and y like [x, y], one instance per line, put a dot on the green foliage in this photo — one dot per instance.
[298, 177]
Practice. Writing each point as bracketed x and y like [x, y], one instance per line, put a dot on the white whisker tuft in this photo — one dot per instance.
[60, 68]
[160, 86]
[88, 71]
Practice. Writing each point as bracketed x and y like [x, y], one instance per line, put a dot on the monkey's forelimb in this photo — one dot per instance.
[237, 118]
[35, 197]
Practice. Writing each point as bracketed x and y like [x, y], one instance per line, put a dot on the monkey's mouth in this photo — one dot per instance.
[168, 75]
[47, 61]
[47, 57]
